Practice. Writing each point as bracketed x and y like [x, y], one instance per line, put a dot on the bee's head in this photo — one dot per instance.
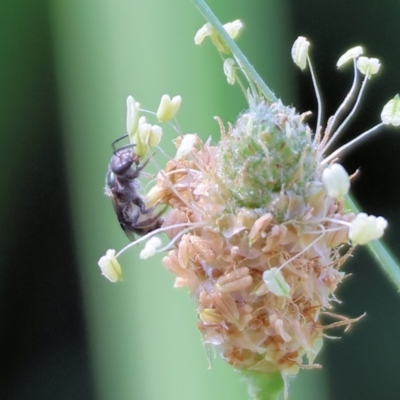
[122, 161]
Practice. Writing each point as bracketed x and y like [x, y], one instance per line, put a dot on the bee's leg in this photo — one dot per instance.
[142, 206]
[150, 224]
[139, 167]
[156, 217]
[134, 220]
[158, 221]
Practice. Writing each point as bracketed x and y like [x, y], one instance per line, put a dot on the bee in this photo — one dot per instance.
[122, 186]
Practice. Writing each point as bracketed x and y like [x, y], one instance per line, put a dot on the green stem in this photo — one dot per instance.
[382, 255]
[264, 386]
[240, 57]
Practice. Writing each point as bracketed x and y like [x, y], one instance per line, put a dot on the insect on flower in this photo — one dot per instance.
[122, 186]
[258, 227]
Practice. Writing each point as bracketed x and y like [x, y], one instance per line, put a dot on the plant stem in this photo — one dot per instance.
[264, 386]
[239, 56]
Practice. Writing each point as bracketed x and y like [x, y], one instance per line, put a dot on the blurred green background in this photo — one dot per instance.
[66, 69]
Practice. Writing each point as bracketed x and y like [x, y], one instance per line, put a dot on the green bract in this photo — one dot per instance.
[268, 151]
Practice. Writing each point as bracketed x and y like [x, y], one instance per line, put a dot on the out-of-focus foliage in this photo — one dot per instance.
[67, 67]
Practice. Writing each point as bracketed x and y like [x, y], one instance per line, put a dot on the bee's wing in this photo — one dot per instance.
[118, 211]
[129, 234]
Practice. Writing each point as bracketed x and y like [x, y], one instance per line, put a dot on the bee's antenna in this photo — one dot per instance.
[123, 147]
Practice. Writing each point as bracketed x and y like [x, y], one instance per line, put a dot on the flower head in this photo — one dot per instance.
[263, 260]
[258, 227]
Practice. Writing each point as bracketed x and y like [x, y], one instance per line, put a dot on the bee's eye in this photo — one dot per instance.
[110, 179]
[121, 162]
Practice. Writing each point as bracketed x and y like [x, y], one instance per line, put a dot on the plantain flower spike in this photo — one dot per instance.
[270, 233]
[258, 227]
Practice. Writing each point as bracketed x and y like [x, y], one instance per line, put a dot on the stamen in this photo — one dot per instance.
[344, 104]
[181, 233]
[174, 127]
[338, 221]
[351, 143]
[343, 320]
[167, 181]
[159, 230]
[318, 96]
[328, 230]
[347, 119]
[304, 250]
